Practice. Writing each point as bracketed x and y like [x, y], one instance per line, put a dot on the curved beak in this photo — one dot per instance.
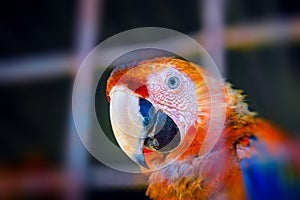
[137, 124]
[127, 123]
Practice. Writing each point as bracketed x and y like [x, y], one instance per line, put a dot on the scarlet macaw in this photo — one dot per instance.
[160, 110]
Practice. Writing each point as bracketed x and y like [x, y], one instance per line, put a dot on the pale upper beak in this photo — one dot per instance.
[137, 124]
[126, 122]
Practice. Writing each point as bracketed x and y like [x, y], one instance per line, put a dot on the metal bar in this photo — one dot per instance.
[87, 31]
[212, 36]
[241, 37]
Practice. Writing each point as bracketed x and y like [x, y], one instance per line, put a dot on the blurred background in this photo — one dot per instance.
[255, 43]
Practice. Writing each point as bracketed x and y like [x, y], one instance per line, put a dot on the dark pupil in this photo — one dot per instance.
[172, 81]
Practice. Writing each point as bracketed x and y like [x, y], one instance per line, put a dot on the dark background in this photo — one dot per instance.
[35, 113]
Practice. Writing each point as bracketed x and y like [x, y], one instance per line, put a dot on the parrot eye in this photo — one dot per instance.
[173, 82]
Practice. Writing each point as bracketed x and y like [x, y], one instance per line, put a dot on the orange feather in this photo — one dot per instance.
[217, 174]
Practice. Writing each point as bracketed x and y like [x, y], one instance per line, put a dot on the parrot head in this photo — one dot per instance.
[156, 109]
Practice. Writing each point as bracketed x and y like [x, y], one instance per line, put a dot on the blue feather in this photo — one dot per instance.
[267, 177]
[147, 111]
